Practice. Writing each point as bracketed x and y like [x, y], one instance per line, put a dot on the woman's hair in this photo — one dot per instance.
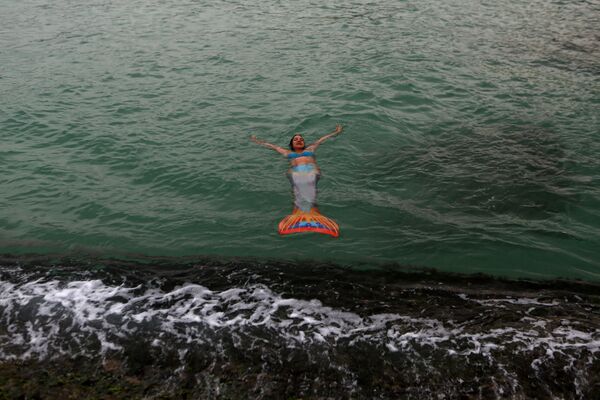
[292, 141]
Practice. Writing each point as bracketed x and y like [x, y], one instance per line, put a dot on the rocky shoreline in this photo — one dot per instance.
[240, 329]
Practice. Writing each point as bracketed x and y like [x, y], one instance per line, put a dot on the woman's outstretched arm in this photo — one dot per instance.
[337, 131]
[278, 149]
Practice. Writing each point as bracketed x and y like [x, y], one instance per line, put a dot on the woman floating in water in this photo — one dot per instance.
[304, 175]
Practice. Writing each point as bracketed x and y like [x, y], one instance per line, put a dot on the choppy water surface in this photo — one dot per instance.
[471, 134]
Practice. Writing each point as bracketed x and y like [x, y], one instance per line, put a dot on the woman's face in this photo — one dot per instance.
[298, 142]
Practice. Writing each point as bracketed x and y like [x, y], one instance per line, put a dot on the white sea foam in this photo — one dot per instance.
[509, 300]
[40, 315]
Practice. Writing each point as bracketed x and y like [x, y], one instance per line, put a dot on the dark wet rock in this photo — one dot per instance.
[238, 329]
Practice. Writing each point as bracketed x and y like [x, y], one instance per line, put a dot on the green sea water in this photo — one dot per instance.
[471, 134]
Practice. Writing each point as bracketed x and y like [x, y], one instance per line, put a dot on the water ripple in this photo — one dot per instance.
[470, 128]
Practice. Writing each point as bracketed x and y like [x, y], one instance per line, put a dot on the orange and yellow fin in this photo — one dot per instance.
[311, 221]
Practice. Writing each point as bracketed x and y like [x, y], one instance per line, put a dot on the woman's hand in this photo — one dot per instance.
[255, 139]
[264, 143]
[338, 129]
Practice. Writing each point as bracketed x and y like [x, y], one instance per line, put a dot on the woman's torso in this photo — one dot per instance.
[305, 157]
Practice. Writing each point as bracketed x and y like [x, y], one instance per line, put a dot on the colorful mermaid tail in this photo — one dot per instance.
[306, 217]
[311, 221]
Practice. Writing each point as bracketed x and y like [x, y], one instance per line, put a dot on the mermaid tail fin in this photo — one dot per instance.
[311, 221]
